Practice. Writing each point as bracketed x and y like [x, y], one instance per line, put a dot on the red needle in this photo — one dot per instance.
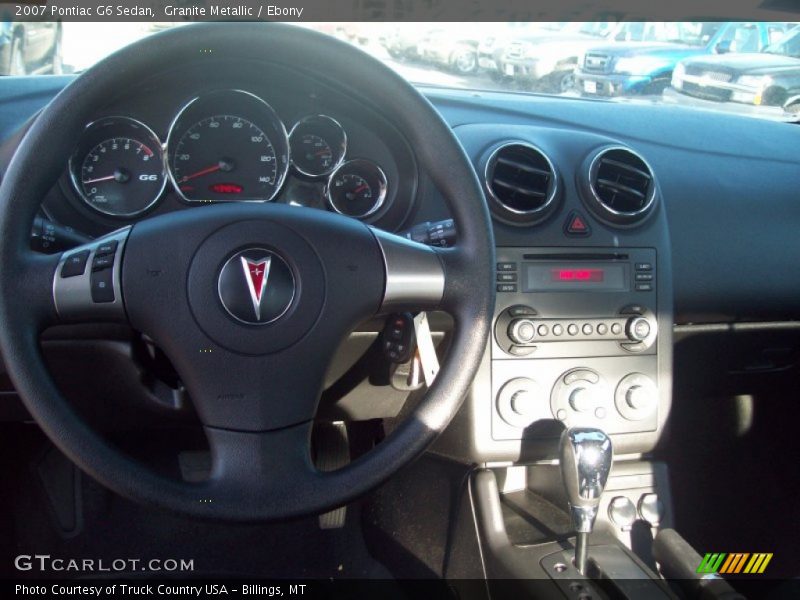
[363, 186]
[108, 178]
[199, 173]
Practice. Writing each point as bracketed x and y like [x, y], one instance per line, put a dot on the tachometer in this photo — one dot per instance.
[227, 146]
[118, 167]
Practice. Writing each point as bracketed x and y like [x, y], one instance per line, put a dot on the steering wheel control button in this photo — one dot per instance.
[256, 286]
[651, 509]
[109, 247]
[102, 262]
[398, 337]
[576, 225]
[102, 285]
[622, 512]
[75, 264]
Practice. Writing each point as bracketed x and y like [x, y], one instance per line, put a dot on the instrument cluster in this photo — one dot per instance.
[222, 146]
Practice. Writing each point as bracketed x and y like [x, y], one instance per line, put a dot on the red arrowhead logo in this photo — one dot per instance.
[256, 273]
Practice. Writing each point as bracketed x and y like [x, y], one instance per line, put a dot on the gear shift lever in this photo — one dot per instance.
[586, 456]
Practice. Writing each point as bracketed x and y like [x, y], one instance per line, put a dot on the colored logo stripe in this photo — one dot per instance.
[720, 562]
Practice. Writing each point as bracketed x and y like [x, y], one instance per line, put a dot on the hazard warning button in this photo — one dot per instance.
[577, 225]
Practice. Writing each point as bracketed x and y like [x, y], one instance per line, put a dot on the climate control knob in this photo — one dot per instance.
[522, 331]
[523, 402]
[581, 399]
[638, 329]
[638, 397]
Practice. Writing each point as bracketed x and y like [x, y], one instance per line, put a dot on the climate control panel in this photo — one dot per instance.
[575, 342]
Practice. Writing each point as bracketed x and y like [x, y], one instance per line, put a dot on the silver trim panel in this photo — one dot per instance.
[414, 273]
[73, 295]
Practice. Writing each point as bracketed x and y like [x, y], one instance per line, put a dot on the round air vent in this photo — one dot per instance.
[622, 189]
[522, 184]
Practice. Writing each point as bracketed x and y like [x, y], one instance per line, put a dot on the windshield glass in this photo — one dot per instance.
[631, 61]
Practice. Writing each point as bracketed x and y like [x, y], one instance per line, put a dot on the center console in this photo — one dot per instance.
[575, 341]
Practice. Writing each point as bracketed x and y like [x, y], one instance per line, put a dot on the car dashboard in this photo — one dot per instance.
[613, 224]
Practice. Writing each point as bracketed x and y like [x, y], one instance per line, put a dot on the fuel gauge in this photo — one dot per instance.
[357, 188]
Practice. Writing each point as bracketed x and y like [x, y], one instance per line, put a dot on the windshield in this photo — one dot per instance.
[631, 61]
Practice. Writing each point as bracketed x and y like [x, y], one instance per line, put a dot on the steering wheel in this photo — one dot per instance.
[255, 384]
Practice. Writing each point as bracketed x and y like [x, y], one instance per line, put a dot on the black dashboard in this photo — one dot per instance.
[612, 222]
[253, 133]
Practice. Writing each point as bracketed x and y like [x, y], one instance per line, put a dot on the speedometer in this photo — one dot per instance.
[236, 154]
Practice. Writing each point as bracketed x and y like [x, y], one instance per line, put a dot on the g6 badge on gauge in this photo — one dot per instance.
[227, 145]
[118, 167]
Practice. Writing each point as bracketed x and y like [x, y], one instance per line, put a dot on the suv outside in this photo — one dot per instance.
[768, 81]
[646, 67]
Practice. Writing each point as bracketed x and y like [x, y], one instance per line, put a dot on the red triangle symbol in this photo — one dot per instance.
[577, 224]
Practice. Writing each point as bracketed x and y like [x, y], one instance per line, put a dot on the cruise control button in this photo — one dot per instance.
[102, 285]
[107, 248]
[102, 262]
[75, 264]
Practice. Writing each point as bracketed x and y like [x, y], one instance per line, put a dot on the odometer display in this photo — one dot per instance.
[118, 168]
[237, 155]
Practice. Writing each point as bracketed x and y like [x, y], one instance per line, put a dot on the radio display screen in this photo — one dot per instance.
[565, 277]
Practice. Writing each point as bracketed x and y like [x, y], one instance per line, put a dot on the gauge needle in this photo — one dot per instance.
[200, 173]
[99, 179]
[360, 188]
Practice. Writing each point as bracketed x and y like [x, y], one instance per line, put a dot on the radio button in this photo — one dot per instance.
[588, 329]
[602, 329]
[521, 350]
[616, 328]
[522, 331]
[638, 329]
[643, 266]
[644, 287]
[506, 266]
[572, 329]
[643, 277]
[521, 311]
[543, 330]
[558, 330]
[506, 277]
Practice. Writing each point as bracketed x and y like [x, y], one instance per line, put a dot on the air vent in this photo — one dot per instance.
[522, 183]
[621, 185]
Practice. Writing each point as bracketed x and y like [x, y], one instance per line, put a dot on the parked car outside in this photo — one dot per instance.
[645, 67]
[30, 47]
[493, 43]
[404, 42]
[767, 81]
[454, 49]
[547, 62]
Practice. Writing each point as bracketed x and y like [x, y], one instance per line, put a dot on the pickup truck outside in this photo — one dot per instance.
[645, 67]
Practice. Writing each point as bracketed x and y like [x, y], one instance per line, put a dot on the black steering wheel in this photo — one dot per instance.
[255, 387]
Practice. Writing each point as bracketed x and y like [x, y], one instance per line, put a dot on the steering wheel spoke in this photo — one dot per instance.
[261, 469]
[86, 283]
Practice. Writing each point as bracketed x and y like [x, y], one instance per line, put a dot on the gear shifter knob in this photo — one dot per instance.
[585, 455]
